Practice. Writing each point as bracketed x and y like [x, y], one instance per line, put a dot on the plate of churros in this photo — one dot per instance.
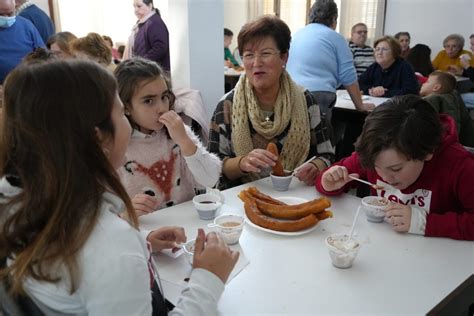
[289, 216]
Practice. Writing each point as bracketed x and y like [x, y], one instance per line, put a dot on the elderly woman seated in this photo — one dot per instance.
[390, 75]
[267, 106]
[448, 59]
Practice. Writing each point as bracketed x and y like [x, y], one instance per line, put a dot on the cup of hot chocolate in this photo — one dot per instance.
[229, 227]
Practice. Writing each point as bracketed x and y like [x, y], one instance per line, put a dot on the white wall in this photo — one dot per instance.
[196, 47]
[235, 16]
[43, 4]
[430, 21]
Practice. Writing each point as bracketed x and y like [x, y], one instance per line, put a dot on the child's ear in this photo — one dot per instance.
[428, 157]
[437, 87]
[101, 137]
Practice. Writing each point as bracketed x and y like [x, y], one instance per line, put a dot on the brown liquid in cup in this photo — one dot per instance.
[230, 224]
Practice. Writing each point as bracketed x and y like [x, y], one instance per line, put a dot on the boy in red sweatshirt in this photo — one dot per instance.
[414, 154]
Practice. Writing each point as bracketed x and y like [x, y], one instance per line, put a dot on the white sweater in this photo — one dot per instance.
[155, 163]
[115, 279]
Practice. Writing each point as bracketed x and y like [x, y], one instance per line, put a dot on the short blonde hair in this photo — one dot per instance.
[93, 45]
[393, 43]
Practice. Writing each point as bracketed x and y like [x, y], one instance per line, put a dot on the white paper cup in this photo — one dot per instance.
[341, 250]
[281, 183]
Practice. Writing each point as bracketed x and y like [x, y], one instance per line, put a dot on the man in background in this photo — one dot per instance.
[18, 38]
[363, 54]
[40, 20]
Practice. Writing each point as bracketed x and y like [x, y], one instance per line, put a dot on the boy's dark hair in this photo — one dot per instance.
[38, 55]
[131, 73]
[407, 124]
[446, 80]
[228, 32]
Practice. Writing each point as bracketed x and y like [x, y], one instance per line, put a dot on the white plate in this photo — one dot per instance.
[288, 200]
[348, 97]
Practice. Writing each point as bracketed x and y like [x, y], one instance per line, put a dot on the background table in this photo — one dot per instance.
[394, 274]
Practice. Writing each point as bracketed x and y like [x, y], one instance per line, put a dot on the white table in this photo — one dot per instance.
[396, 274]
[343, 100]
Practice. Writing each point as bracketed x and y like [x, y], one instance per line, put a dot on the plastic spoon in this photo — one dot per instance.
[354, 223]
[374, 186]
[301, 166]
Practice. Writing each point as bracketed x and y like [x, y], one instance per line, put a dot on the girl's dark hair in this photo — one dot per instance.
[323, 12]
[131, 73]
[420, 58]
[264, 26]
[49, 143]
[407, 124]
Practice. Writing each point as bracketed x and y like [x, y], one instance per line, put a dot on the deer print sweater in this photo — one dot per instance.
[155, 164]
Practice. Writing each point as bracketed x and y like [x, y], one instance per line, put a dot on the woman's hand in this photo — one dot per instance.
[377, 91]
[175, 126]
[144, 204]
[166, 238]
[212, 254]
[308, 173]
[256, 160]
[399, 216]
[335, 178]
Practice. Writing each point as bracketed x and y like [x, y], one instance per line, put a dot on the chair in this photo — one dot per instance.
[16, 306]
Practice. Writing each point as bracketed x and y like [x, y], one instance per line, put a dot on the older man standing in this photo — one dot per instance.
[40, 20]
[18, 37]
[363, 54]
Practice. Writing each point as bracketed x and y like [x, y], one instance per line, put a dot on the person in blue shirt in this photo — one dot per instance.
[18, 38]
[321, 61]
[38, 17]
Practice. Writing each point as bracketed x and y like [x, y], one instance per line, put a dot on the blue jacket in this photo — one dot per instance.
[40, 20]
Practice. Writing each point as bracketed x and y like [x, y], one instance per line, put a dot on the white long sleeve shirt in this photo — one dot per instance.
[114, 275]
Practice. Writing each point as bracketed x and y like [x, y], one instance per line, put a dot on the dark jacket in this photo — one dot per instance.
[398, 79]
[152, 41]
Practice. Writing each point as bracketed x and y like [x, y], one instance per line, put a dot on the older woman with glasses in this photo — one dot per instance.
[267, 106]
[448, 59]
[390, 75]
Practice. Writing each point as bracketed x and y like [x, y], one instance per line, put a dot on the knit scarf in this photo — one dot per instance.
[289, 108]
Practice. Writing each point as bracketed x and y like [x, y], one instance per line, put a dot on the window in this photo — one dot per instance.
[295, 14]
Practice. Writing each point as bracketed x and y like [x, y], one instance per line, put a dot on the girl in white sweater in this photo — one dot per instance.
[166, 163]
[63, 136]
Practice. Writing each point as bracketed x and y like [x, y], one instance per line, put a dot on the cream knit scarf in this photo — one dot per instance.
[290, 107]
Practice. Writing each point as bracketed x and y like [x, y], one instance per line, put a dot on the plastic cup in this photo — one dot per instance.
[229, 227]
[207, 205]
[281, 183]
[342, 251]
[375, 208]
[189, 250]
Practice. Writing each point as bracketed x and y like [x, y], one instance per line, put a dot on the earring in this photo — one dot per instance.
[106, 152]
[283, 66]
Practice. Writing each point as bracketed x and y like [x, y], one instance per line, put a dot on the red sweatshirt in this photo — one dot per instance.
[444, 189]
